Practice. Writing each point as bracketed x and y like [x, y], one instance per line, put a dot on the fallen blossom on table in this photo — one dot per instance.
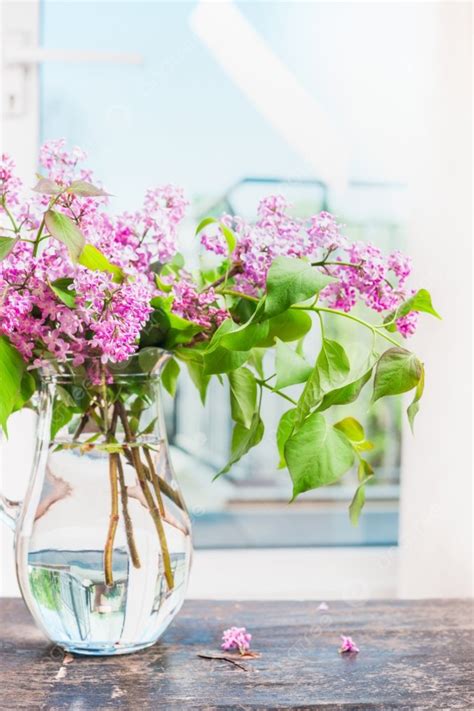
[236, 638]
[348, 645]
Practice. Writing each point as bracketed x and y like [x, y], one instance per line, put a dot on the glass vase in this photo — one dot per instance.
[102, 539]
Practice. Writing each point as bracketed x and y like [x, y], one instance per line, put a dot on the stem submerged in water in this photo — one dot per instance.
[126, 515]
[114, 518]
[134, 454]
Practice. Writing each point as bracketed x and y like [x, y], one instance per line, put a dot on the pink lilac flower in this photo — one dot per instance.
[196, 306]
[10, 184]
[236, 638]
[348, 645]
[406, 325]
[361, 270]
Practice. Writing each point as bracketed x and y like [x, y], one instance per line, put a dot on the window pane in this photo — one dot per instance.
[190, 115]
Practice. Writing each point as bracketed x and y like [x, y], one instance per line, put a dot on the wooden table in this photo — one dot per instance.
[413, 655]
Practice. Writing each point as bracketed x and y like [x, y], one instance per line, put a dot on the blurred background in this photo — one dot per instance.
[360, 108]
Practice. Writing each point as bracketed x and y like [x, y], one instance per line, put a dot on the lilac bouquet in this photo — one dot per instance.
[87, 292]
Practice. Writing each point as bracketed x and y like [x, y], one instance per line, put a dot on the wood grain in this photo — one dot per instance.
[414, 655]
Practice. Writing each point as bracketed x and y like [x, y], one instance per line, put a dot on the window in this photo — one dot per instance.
[175, 102]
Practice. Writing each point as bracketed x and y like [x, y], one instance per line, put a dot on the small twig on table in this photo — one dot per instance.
[224, 658]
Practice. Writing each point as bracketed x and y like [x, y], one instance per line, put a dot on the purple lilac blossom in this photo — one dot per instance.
[236, 638]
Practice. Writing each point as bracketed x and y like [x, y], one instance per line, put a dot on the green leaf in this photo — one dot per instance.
[148, 358]
[243, 396]
[84, 189]
[397, 371]
[317, 454]
[346, 394]
[421, 301]
[221, 360]
[169, 376]
[62, 291]
[245, 337]
[62, 414]
[351, 428]
[332, 367]
[93, 259]
[62, 228]
[218, 359]
[46, 186]
[291, 281]
[181, 331]
[414, 406]
[289, 326]
[12, 367]
[199, 378]
[229, 237]
[285, 428]
[365, 472]
[6, 246]
[204, 223]
[290, 367]
[243, 439]
[256, 360]
[26, 392]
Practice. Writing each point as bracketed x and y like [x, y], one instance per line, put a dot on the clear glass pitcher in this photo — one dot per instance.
[102, 539]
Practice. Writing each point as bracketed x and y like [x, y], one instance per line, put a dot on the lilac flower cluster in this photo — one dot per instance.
[362, 271]
[107, 317]
[103, 318]
[236, 638]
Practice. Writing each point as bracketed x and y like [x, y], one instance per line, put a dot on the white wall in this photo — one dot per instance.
[436, 492]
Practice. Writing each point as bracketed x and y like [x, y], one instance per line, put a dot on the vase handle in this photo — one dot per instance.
[9, 511]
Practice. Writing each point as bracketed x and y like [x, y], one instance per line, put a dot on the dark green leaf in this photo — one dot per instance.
[243, 396]
[414, 406]
[199, 378]
[218, 359]
[221, 360]
[291, 281]
[63, 292]
[245, 337]
[62, 414]
[169, 376]
[397, 371]
[93, 259]
[332, 367]
[289, 326]
[84, 189]
[243, 439]
[317, 454]
[285, 428]
[12, 367]
[62, 228]
[346, 394]
[148, 358]
[27, 390]
[6, 246]
[290, 367]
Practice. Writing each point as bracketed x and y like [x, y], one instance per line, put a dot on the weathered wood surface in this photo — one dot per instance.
[414, 655]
